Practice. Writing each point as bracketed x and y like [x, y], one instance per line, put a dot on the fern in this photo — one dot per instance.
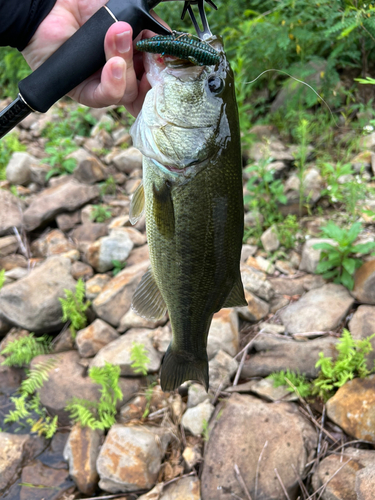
[293, 381]
[37, 376]
[74, 307]
[139, 358]
[2, 278]
[20, 352]
[99, 415]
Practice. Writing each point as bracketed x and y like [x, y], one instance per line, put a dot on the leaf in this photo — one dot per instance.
[354, 231]
[324, 246]
[347, 280]
[363, 247]
[349, 265]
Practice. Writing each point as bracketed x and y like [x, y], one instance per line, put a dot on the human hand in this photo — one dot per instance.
[122, 79]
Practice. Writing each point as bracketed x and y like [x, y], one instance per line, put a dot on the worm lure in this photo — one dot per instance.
[183, 46]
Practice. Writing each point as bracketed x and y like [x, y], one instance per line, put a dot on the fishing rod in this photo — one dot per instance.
[82, 55]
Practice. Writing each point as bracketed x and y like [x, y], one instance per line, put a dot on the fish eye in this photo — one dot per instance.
[215, 84]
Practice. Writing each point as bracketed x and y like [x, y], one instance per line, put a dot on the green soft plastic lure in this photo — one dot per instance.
[183, 46]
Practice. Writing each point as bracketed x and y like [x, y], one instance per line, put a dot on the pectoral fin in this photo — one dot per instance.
[147, 299]
[137, 205]
[236, 297]
[163, 210]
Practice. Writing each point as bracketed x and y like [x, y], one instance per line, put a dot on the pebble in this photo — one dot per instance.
[18, 169]
[89, 171]
[87, 233]
[270, 240]
[93, 338]
[196, 419]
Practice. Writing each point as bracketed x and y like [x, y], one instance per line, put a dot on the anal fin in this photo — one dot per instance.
[236, 297]
[137, 204]
[147, 300]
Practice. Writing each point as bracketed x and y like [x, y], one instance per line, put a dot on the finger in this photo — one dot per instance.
[143, 87]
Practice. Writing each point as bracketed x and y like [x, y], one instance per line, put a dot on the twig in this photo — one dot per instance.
[241, 481]
[300, 482]
[282, 485]
[355, 441]
[309, 334]
[217, 393]
[321, 430]
[239, 370]
[193, 473]
[116, 495]
[247, 347]
[257, 470]
[323, 487]
[318, 425]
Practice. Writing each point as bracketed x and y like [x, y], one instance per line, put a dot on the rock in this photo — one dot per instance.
[256, 282]
[274, 353]
[290, 287]
[130, 458]
[196, 395]
[186, 488]
[270, 240]
[265, 389]
[118, 352]
[101, 254]
[192, 456]
[275, 149]
[264, 265]
[81, 452]
[161, 338]
[18, 168]
[132, 320]
[67, 379]
[66, 197]
[55, 482]
[80, 270]
[115, 298]
[352, 408]
[8, 245]
[10, 213]
[4, 327]
[364, 283]
[64, 341]
[256, 309]
[153, 494]
[128, 160]
[195, 419]
[54, 243]
[10, 377]
[321, 309]
[33, 302]
[285, 267]
[15, 451]
[340, 474]
[38, 172]
[365, 482]
[93, 338]
[12, 261]
[362, 325]
[223, 333]
[248, 251]
[89, 171]
[88, 233]
[17, 273]
[68, 221]
[95, 285]
[250, 423]
[310, 255]
[221, 368]
[137, 237]
[138, 255]
[271, 328]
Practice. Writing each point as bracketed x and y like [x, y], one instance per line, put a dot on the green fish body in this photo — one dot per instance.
[188, 132]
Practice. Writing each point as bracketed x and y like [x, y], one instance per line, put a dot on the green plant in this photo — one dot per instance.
[2, 278]
[8, 145]
[108, 187]
[205, 431]
[13, 68]
[287, 230]
[301, 157]
[74, 307]
[148, 395]
[99, 415]
[139, 358]
[100, 213]
[57, 159]
[20, 352]
[118, 266]
[350, 363]
[293, 381]
[337, 261]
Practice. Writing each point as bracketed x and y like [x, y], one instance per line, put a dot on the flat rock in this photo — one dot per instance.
[81, 452]
[55, 482]
[67, 379]
[278, 352]
[8, 245]
[310, 255]
[277, 431]
[223, 333]
[255, 310]
[195, 419]
[343, 474]
[186, 488]
[364, 283]
[93, 338]
[353, 408]
[9, 262]
[221, 368]
[115, 298]
[270, 240]
[116, 247]
[132, 320]
[297, 286]
[265, 389]
[362, 325]
[33, 302]
[118, 352]
[95, 285]
[10, 213]
[320, 309]
[65, 197]
[256, 282]
[130, 458]
[16, 451]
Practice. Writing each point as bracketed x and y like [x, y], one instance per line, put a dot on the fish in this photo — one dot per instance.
[188, 132]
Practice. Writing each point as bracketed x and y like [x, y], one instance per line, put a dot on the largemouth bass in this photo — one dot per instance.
[188, 132]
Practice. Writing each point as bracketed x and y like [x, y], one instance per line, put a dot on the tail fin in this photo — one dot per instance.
[179, 366]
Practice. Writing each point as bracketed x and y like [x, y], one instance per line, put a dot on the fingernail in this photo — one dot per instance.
[123, 42]
[118, 71]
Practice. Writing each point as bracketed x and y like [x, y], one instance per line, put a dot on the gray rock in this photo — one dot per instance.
[128, 160]
[195, 419]
[118, 352]
[186, 488]
[130, 458]
[248, 251]
[8, 245]
[18, 169]
[132, 320]
[256, 282]
[93, 338]
[223, 333]
[65, 197]
[320, 309]
[221, 368]
[297, 286]
[101, 254]
[277, 352]
[270, 239]
[33, 302]
[362, 325]
[310, 255]
[81, 452]
[196, 395]
[10, 213]
[276, 434]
